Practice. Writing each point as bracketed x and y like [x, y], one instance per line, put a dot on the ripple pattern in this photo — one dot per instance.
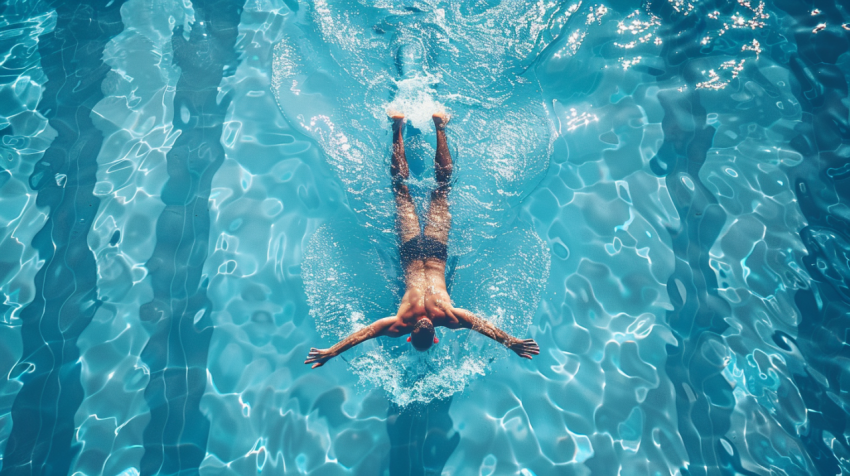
[135, 117]
[66, 295]
[194, 193]
[25, 134]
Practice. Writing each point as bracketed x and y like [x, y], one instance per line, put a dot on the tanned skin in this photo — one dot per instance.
[425, 296]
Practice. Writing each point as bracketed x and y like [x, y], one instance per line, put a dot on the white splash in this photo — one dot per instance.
[415, 99]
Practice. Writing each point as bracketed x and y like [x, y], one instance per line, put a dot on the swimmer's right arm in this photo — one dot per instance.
[524, 348]
[318, 357]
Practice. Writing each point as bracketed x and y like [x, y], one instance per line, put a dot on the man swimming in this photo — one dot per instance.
[426, 302]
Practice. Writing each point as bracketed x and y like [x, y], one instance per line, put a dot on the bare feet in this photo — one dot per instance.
[397, 118]
[440, 120]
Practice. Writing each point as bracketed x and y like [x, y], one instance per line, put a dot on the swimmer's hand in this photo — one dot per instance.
[319, 356]
[525, 348]
[381, 327]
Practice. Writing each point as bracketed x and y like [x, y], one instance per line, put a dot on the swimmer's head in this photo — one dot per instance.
[423, 335]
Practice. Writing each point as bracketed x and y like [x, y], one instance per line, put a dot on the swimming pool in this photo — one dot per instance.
[193, 194]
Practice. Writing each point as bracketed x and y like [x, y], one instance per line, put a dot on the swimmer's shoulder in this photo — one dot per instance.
[400, 325]
[448, 321]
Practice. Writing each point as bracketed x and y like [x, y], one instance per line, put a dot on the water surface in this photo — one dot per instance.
[194, 194]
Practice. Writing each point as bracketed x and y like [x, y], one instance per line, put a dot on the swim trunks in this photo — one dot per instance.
[422, 247]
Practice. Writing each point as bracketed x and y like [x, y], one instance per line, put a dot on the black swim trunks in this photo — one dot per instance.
[422, 247]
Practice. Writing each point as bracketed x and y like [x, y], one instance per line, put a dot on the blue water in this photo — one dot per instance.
[193, 194]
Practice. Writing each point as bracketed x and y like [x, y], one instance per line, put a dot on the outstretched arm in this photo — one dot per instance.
[524, 348]
[318, 357]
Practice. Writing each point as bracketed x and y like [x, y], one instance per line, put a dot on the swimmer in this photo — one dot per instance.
[426, 302]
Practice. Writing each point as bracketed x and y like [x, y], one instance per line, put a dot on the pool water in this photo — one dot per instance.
[193, 194]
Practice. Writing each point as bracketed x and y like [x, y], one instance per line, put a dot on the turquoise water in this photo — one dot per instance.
[193, 194]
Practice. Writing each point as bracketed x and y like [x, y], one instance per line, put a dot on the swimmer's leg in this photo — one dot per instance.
[398, 167]
[443, 159]
[407, 222]
[439, 219]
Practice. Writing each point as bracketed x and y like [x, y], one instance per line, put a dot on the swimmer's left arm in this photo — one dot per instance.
[318, 357]
[524, 348]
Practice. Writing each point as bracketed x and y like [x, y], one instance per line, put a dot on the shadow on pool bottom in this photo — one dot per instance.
[421, 437]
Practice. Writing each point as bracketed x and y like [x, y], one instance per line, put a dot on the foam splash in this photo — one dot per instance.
[415, 99]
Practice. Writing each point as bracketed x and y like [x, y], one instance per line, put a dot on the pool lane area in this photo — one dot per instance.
[193, 194]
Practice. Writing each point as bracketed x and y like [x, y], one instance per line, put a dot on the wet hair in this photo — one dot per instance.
[422, 336]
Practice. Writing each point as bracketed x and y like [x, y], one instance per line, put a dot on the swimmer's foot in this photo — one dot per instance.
[397, 118]
[440, 120]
